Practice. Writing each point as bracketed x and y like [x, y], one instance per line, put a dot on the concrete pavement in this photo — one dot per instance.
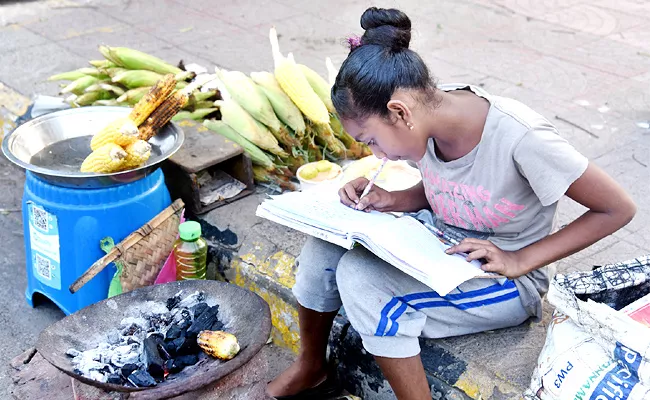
[584, 64]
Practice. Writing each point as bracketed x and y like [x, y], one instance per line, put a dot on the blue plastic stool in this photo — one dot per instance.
[63, 228]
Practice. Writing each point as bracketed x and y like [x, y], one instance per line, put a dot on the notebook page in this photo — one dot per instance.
[413, 247]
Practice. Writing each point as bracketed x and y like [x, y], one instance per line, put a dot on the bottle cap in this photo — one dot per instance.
[189, 230]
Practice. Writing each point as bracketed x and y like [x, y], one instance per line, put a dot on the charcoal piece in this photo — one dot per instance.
[173, 301]
[173, 333]
[151, 358]
[198, 309]
[187, 360]
[115, 379]
[185, 325]
[185, 345]
[72, 353]
[128, 369]
[217, 326]
[106, 370]
[131, 330]
[141, 378]
[186, 314]
[162, 350]
[204, 322]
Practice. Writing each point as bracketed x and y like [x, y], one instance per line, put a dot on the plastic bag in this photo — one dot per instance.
[592, 350]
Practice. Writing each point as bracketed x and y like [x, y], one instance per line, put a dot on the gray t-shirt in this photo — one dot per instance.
[507, 188]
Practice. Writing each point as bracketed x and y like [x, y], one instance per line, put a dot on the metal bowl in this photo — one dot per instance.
[54, 145]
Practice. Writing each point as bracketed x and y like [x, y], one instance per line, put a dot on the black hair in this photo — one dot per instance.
[380, 64]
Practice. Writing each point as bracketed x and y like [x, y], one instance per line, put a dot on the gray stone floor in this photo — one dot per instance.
[584, 64]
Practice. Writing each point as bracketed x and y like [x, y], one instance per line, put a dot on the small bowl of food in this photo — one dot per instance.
[319, 174]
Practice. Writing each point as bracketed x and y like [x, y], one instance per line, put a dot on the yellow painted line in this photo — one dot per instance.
[13, 101]
[477, 385]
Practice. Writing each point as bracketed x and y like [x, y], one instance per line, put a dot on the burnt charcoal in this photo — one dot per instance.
[198, 309]
[186, 314]
[201, 296]
[173, 367]
[185, 345]
[204, 322]
[115, 379]
[173, 333]
[72, 353]
[151, 358]
[132, 340]
[162, 350]
[128, 369]
[159, 321]
[131, 330]
[106, 370]
[173, 301]
[217, 326]
[141, 378]
[187, 360]
[185, 325]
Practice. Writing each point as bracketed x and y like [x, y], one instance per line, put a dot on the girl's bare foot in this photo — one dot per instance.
[300, 376]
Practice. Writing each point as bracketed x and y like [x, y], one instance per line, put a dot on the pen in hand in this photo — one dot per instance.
[370, 184]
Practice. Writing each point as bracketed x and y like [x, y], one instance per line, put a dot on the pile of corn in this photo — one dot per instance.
[282, 119]
[123, 144]
[123, 77]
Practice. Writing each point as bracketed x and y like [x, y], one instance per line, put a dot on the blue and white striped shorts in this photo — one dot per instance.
[390, 309]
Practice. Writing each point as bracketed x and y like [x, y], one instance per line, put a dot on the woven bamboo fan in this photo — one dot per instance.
[143, 253]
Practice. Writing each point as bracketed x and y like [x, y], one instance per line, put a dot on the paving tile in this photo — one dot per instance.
[631, 7]
[187, 27]
[249, 52]
[592, 19]
[246, 13]
[143, 12]
[608, 56]
[489, 57]
[638, 37]
[26, 70]
[534, 8]
[14, 37]
[122, 35]
[68, 23]
[558, 78]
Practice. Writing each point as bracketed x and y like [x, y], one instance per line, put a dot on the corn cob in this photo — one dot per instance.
[197, 115]
[331, 71]
[155, 97]
[325, 135]
[78, 86]
[242, 122]
[114, 71]
[134, 59]
[249, 96]
[257, 156]
[162, 114]
[218, 344]
[111, 102]
[67, 76]
[134, 95]
[319, 85]
[89, 98]
[97, 73]
[354, 149]
[137, 78]
[295, 85]
[105, 159]
[202, 96]
[102, 63]
[284, 108]
[102, 86]
[136, 154]
[122, 132]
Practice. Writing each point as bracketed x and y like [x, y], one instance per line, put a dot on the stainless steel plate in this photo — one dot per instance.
[54, 145]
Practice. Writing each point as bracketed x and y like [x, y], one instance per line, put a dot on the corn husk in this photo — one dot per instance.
[137, 78]
[284, 108]
[137, 60]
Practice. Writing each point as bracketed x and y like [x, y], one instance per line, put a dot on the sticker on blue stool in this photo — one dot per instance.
[44, 243]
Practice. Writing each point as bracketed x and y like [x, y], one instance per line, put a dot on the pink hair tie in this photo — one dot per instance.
[354, 42]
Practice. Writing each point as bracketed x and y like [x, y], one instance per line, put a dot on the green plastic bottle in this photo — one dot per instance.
[190, 252]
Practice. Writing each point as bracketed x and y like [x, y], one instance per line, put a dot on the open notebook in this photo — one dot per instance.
[403, 241]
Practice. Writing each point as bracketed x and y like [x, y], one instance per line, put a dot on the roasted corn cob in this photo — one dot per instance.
[136, 154]
[320, 86]
[122, 132]
[155, 97]
[107, 158]
[218, 344]
[163, 114]
[242, 122]
[295, 85]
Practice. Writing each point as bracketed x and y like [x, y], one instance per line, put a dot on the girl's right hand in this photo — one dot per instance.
[377, 199]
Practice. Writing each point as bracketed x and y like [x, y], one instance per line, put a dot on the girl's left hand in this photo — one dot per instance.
[502, 262]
